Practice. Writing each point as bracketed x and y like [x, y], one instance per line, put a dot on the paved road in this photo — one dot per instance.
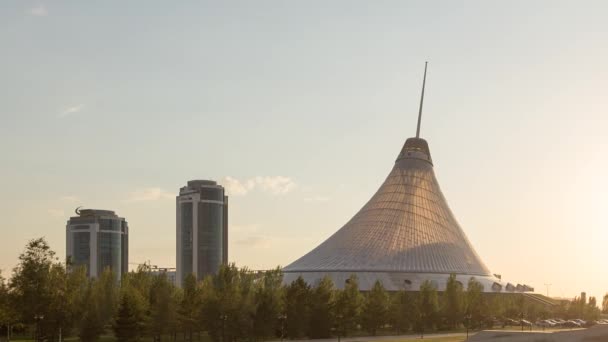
[383, 338]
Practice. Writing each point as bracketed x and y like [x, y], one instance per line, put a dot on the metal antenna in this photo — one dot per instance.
[547, 286]
[421, 102]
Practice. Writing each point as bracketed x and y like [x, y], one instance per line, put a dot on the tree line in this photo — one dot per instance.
[49, 300]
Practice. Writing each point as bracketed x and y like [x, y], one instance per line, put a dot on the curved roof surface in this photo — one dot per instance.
[406, 226]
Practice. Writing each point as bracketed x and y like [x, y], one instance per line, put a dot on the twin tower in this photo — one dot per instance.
[202, 229]
[99, 239]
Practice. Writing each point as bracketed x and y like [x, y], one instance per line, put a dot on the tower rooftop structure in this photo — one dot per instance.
[404, 235]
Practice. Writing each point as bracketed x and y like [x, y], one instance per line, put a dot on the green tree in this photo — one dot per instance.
[189, 308]
[297, 308]
[402, 306]
[605, 304]
[68, 294]
[592, 302]
[591, 311]
[162, 308]
[213, 315]
[347, 306]
[129, 323]
[37, 289]
[497, 308]
[243, 324]
[575, 308]
[228, 307]
[375, 308]
[453, 302]
[427, 307]
[321, 313]
[268, 303]
[475, 304]
[4, 302]
[173, 319]
[107, 293]
[91, 323]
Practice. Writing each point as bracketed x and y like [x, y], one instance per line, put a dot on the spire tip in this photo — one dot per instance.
[421, 101]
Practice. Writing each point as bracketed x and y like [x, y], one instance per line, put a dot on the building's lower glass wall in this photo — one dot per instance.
[109, 252]
[125, 251]
[210, 236]
[81, 255]
[187, 238]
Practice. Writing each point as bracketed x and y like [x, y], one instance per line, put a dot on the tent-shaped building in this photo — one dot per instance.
[404, 235]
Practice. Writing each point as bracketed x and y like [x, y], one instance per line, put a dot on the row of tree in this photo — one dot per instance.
[237, 304]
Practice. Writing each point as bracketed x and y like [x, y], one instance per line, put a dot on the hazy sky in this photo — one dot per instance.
[115, 105]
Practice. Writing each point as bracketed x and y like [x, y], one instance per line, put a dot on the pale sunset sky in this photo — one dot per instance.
[300, 108]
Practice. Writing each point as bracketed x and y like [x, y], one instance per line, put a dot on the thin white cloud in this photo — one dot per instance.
[38, 11]
[69, 198]
[252, 236]
[235, 187]
[71, 111]
[149, 194]
[56, 213]
[275, 185]
[245, 228]
[257, 241]
[316, 199]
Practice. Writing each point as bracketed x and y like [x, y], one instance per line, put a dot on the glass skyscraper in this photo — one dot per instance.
[98, 239]
[202, 229]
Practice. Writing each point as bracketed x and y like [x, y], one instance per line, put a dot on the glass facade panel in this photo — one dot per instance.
[109, 251]
[225, 232]
[82, 220]
[110, 224]
[124, 244]
[210, 236]
[212, 194]
[82, 249]
[187, 219]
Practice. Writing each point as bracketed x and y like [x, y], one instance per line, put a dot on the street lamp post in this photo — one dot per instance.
[339, 317]
[223, 318]
[282, 318]
[423, 323]
[38, 318]
[468, 322]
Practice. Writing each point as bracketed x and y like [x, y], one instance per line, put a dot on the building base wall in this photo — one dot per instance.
[394, 281]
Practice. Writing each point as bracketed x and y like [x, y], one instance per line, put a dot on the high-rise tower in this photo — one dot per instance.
[98, 239]
[404, 235]
[202, 229]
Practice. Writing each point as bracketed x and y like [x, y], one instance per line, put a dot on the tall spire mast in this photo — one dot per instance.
[421, 102]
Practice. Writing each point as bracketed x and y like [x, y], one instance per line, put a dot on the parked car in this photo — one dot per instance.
[525, 323]
[546, 323]
[510, 322]
[571, 324]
